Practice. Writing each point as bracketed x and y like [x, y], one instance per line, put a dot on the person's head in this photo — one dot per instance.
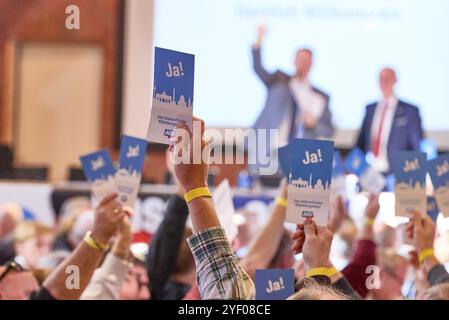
[437, 292]
[393, 268]
[303, 62]
[32, 240]
[16, 284]
[284, 257]
[310, 289]
[387, 81]
[135, 286]
[10, 215]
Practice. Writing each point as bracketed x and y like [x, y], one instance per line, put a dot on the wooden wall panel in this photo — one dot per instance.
[44, 21]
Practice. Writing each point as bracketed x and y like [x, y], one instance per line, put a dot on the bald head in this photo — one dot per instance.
[387, 81]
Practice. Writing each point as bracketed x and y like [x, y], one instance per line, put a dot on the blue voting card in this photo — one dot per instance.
[128, 176]
[355, 162]
[99, 171]
[439, 173]
[370, 180]
[410, 169]
[432, 208]
[274, 284]
[309, 180]
[338, 185]
[337, 165]
[172, 99]
[284, 160]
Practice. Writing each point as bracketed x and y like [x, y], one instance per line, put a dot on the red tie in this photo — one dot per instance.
[375, 145]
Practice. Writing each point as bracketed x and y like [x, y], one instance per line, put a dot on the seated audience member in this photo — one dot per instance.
[83, 261]
[436, 292]
[32, 240]
[170, 264]
[16, 283]
[118, 277]
[10, 215]
[323, 281]
[219, 273]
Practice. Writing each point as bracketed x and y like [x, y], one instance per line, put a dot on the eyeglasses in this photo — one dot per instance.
[10, 266]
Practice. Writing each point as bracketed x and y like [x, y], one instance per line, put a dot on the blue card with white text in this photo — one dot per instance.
[99, 171]
[432, 208]
[172, 99]
[439, 173]
[129, 174]
[355, 162]
[410, 171]
[309, 181]
[274, 284]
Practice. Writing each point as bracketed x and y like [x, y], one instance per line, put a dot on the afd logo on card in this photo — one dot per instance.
[132, 154]
[356, 162]
[274, 284]
[97, 165]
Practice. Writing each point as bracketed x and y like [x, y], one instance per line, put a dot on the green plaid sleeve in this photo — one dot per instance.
[219, 274]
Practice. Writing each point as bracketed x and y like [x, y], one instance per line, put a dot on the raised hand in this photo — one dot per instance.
[109, 214]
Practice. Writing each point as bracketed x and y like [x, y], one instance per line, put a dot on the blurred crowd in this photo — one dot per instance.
[93, 253]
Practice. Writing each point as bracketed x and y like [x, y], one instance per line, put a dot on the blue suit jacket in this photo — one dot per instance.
[280, 100]
[406, 131]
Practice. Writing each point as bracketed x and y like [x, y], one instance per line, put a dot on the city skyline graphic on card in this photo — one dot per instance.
[439, 174]
[409, 168]
[99, 171]
[132, 155]
[311, 163]
[432, 208]
[97, 165]
[284, 160]
[274, 284]
[172, 98]
[355, 162]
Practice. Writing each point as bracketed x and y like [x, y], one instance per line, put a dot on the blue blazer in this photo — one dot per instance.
[280, 100]
[406, 131]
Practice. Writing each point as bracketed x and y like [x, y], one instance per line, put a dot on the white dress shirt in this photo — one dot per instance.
[380, 163]
[307, 101]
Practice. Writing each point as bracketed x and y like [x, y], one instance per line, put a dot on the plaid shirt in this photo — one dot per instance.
[219, 274]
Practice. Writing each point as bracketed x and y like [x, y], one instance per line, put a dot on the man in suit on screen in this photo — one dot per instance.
[293, 106]
[389, 125]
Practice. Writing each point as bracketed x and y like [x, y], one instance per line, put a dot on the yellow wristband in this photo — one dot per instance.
[423, 255]
[328, 272]
[369, 221]
[197, 193]
[282, 202]
[93, 243]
